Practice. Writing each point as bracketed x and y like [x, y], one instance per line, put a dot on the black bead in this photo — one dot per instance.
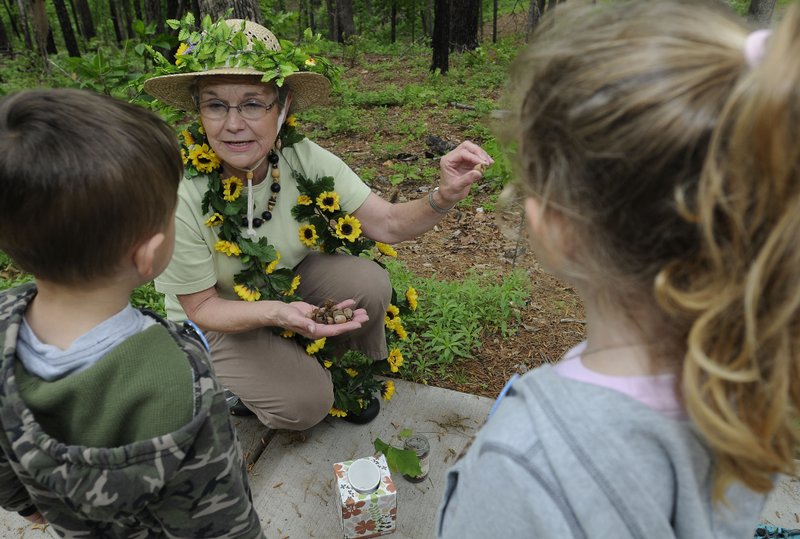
[266, 215]
[257, 222]
[275, 187]
[273, 158]
[244, 221]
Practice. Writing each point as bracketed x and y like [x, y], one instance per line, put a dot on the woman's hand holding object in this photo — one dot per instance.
[460, 168]
[295, 317]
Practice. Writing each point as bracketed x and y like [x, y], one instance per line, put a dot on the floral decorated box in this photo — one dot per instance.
[366, 514]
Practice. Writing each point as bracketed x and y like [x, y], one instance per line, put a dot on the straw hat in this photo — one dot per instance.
[308, 89]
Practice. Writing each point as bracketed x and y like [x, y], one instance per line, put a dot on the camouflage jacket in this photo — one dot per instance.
[190, 483]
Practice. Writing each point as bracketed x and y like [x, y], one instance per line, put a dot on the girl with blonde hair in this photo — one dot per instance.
[659, 155]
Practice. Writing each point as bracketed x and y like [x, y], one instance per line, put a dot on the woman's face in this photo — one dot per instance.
[238, 142]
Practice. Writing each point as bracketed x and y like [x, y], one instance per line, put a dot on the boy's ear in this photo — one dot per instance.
[144, 255]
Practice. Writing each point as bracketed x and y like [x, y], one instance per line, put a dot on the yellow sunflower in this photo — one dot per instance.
[293, 287]
[203, 158]
[348, 228]
[304, 200]
[329, 200]
[352, 373]
[232, 188]
[214, 220]
[411, 297]
[327, 363]
[227, 247]
[392, 312]
[391, 322]
[184, 157]
[274, 264]
[401, 331]
[287, 333]
[335, 412]
[395, 359]
[385, 249]
[180, 52]
[308, 235]
[246, 293]
[310, 62]
[388, 390]
[188, 140]
[291, 121]
[315, 346]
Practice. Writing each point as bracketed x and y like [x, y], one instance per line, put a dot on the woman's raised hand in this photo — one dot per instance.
[295, 317]
[460, 169]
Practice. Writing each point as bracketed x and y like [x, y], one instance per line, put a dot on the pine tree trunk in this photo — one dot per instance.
[347, 25]
[84, 15]
[175, 9]
[441, 36]
[66, 28]
[333, 20]
[5, 43]
[242, 9]
[494, 21]
[23, 20]
[464, 27]
[426, 14]
[760, 11]
[112, 9]
[393, 18]
[41, 28]
[534, 16]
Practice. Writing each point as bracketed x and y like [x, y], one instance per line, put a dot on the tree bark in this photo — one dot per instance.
[760, 11]
[242, 9]
[84, 15]
[534, 16]
[347, 25]
[12, 19]
[23, 21]
[494, 21]
[112, 9]
[426, 14]
[5, 43]
[41, 28]
[393, 18]
[333, 20]
[464, 27]
[174, 9]
[66, 28]
[441, 36]
[412, 18]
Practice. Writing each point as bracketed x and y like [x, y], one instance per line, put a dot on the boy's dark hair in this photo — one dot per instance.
[83, 178]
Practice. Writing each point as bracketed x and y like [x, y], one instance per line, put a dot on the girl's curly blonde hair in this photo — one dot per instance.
[678, 166]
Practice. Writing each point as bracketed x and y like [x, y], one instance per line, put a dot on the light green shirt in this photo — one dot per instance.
[196, 266]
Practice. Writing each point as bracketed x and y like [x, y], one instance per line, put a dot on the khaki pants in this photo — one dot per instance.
[273, 376]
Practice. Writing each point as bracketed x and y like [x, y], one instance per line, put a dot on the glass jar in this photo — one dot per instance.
[419, 444]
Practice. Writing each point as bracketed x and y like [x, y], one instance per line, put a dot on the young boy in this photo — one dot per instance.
[112, 423]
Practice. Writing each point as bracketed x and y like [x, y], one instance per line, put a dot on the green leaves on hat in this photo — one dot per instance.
[219, 44]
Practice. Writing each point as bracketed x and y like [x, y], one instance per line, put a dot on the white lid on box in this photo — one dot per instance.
[364, 475]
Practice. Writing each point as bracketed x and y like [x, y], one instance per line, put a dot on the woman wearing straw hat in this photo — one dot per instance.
[240, 189]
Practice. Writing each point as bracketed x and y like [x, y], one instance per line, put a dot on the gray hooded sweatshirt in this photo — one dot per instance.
[567, 459]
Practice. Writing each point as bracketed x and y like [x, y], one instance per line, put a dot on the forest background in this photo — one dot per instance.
[416, 78]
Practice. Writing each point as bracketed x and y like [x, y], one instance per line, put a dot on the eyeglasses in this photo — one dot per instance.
[249, 110]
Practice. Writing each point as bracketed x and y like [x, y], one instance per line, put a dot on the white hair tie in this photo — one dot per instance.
[754, 47]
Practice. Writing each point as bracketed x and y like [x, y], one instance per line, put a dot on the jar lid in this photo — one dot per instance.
[364, 475]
